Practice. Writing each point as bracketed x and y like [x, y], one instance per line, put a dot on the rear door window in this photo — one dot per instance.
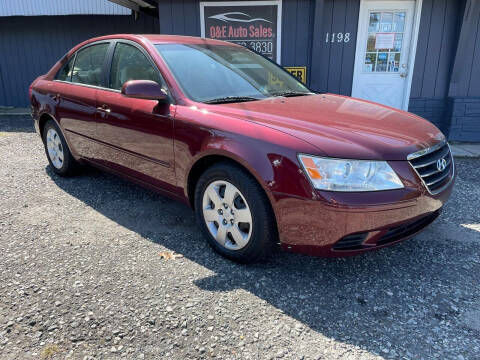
[129, 63]
[88, 68]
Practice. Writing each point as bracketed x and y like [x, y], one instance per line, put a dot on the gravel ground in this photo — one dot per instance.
[82, 276]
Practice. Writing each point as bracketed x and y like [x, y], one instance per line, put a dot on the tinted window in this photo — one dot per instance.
[129, 63]
[89, 65]
[65, 73]
[208, 72]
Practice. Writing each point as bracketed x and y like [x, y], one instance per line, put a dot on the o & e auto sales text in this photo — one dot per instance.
[224, 32]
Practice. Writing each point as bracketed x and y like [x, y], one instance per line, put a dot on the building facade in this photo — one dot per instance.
[417, 55]
[34, 35]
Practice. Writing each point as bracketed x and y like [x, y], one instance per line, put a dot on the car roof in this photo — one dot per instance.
[163, 39]
[157, 39]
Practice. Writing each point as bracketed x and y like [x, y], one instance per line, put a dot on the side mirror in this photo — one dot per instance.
[144, 89]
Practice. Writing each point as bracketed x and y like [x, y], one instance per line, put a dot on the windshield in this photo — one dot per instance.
[223, 73]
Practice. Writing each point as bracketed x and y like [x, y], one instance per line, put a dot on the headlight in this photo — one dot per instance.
[349, 175]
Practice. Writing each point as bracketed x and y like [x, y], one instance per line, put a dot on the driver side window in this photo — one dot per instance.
[129, 63]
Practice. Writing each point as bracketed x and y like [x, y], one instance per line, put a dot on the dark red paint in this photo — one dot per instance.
[143, 89]
[161, 144]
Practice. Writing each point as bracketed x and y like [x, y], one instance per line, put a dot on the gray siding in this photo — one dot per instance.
[437, 42]
[466, 72]
[445, 87]
[465, 119]
[464, 84]
[297, 20]
[474, 76]
[332, 63]
[179, 17]
[34, 44]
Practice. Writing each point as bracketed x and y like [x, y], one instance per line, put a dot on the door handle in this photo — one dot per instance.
[403, 75]
[104, 109]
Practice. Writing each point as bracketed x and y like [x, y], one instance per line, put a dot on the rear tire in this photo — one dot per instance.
[234, 213]
[58, 153]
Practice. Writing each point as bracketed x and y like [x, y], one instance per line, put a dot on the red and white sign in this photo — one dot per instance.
[384, 40]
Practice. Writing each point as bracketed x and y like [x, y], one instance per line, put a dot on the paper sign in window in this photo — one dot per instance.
[384, 40]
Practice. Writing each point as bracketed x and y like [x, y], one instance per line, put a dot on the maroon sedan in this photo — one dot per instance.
[260, 157]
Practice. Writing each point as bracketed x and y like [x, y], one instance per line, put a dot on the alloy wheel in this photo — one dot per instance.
[55, 148]
[227, 215]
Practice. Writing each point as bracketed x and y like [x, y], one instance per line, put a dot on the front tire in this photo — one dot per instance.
[234, 213]
[58, 153]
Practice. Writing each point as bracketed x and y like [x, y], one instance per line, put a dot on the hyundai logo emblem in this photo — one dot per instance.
[441, 164]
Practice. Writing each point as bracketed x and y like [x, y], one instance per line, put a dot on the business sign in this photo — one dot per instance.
[300, 72]
[254, 24]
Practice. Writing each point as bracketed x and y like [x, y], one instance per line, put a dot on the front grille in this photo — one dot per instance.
[425, 164]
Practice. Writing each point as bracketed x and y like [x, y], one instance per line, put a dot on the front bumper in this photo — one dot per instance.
[343, 224]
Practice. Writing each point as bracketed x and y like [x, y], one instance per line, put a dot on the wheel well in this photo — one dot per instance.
[199, 168]
[42, 121]
[203, 164]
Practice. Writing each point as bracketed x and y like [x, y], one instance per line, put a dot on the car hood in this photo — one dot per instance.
[340, 126]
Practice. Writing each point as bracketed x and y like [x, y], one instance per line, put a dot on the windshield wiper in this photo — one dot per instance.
[292, 93]
[230, 99]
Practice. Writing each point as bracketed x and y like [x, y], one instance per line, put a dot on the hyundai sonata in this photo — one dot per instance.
[260, 157]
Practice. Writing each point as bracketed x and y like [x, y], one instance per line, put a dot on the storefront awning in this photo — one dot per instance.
[149, 7]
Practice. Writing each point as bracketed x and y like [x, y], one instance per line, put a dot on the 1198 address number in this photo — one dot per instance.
[337, 37]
